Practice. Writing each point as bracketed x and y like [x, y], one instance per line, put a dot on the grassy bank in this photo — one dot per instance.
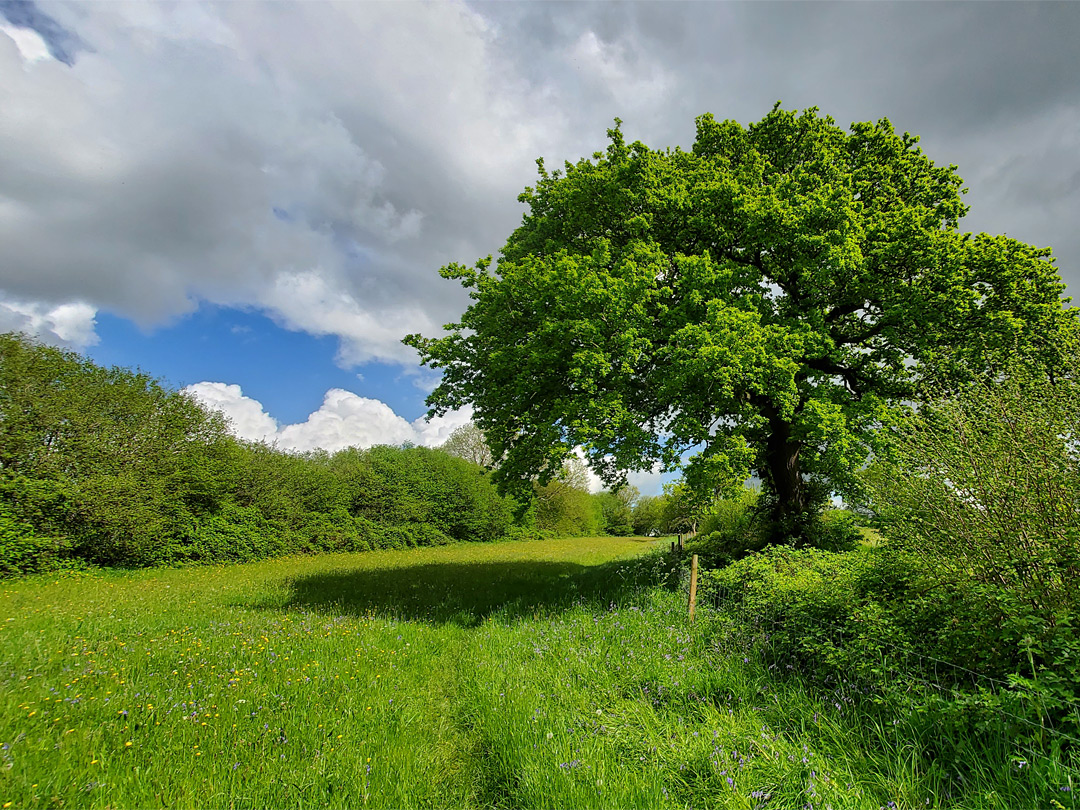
[538, 674]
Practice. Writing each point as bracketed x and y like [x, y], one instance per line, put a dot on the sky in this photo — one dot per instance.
[252, 200]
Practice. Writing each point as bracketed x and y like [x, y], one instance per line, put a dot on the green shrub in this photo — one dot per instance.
[22, 550]
[878, 619]
[984, 483]
[402, 486]
[730, 530]
[424, 534]
[982, 488]
[835, 530]
[565, 508]
[235, 533]
[617, 511]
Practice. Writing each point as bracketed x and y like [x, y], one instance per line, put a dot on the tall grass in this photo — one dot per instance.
[542, 674]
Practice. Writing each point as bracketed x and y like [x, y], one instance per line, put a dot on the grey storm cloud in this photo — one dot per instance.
[320, 161]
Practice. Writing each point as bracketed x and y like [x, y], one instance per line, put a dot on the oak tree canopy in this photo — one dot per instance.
[755, 302]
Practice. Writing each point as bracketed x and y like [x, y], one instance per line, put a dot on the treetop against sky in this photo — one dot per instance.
[759, 299]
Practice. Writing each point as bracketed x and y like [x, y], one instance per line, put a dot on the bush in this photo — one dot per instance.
[617, 511]
[982, 488]
[879, 620]
[835, 530]
[234, 534]
[22, 550]
[404, 486]
[984, 484]
[737, 526]
[564, 507]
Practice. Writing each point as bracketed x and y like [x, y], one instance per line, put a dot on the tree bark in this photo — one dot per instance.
[785, 477]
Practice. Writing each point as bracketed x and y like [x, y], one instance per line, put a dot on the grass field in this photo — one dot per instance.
[516, 675]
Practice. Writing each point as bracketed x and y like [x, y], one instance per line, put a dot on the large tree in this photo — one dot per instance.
[756, 301]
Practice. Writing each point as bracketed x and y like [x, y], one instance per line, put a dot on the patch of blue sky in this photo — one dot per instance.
[288, 372]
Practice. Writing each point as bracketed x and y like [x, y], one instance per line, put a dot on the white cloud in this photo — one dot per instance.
[343, 420]
[311, 303]
[247, 417]
[31, 46]
[650, 482]
[433, 432]
[71, 324]
[347, 420]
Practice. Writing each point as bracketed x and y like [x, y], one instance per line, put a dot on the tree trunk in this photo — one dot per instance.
[785, 477]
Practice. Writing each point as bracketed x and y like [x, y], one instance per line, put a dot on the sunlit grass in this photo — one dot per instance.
[537, 674]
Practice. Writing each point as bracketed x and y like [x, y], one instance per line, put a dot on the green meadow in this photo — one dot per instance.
[553, 674]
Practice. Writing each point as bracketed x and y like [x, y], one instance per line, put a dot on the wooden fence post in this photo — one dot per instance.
[693, 585]
[672, 546]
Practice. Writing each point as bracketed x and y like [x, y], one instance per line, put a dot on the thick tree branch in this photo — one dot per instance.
[854, 379]
[863, 336]
[840, 311]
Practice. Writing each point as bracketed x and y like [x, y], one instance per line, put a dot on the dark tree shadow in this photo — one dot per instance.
[465, 593]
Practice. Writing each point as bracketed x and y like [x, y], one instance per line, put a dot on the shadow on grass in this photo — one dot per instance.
[465, 593]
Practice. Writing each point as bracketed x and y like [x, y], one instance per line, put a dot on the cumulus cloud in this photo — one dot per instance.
[344, 420]
[157, 172]
[309, 302]
[649, 482]
[246, 416]
[620, 69]
[70, 325]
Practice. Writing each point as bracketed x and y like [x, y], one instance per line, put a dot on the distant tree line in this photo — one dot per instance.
[108, 466]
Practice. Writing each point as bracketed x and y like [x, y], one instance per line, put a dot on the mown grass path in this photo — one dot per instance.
[506, 675]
